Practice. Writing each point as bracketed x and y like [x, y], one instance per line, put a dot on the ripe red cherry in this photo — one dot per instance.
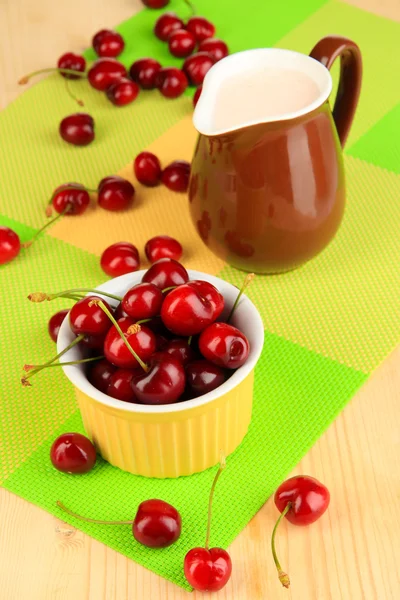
[69, 60]
[104, 72]
[161, 342]
[166, 24]
[100, 374]
[162, 246]
[87, 318]
[224, 345]
[94, 342]
[115, 193]
[176, 176]
[171, 82]
[209, 291]
[155, 3]
[157, 524]
[74, 199]
[73, 453]
[216, 48]
[197, 66]
[119, 385]
[144, 71]
[163, 383]
[122, 92]
[166, 273]
[308, 499]
[185, 311]
[55, 323]
[207, 570]
[203, 376]
[120, 258]
[108, 43]
[77, 129]
[201, 28]
[181, 43]
[141, 339]
[10, 245]
[147, 169]
[197, 95]
[180, 349]
[142, 301]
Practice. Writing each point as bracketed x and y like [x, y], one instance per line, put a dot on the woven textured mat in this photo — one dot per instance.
[328, 325]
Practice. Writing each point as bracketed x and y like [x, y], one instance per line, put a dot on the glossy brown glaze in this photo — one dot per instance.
[269, 197]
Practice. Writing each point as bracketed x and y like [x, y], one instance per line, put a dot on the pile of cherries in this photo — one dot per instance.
[161, 344]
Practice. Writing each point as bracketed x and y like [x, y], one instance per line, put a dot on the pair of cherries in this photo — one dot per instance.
[123, 257]
[148, 172]
[114, 193]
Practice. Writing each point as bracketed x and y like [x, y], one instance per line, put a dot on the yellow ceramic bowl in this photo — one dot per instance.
[175, 439]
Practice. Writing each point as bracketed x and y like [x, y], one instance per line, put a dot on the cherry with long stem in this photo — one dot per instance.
[283, 577]
[63, 188]
[248, 279]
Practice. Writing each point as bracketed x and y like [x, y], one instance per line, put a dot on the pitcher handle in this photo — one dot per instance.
[326, 51]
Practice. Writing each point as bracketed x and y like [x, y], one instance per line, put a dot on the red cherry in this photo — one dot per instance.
[119, 385]
[100, 374]
[197, 66]
[162, 246]
[77, 129]
[147, 169]
[10, 245]
[209, 291]
[163, 383]
[108, 43]
[197, 95]
[142, 301]
[120, 258]
[94, 342]
[161, 342]
[216, 48]
[185, 311]
[104, 72]
[166, 273]
[144, 71]
[181, 43]
[157, 524]
[308, 499]
[122, 92]
[115, 193]
[119, 312]
[171, 82]
[207, 570]
[203, 376]
[87, 318]
[55, 323]
[69, 60]
[141, 339]
[166, 24]
[155, 3]
[73, 453]
[74, 199]
[176, 176]
[180, 349]
[201, 28]
[224, 345]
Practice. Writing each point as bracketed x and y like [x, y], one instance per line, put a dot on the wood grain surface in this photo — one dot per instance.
[352, 553]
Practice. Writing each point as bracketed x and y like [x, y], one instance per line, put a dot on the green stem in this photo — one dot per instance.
[191, 6]
[143, 321]
[85, 290]
[221, 467]
[190, 339]
[71, 362]
[51, 222]
[70, 512]
[71, 94]
[248, 279]
[168, 289]
[283, 577]
[121, 333]
[26, 78]
[39, 368]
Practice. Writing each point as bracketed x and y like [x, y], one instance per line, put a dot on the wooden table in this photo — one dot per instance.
[349, 554]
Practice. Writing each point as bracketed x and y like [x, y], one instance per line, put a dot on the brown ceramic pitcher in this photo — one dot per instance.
[267, 195]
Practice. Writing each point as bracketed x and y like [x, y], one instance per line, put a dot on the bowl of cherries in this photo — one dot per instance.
[166, 382]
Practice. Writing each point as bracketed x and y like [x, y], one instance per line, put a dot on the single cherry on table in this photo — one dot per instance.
[115, 193]
[73, 453]
[147, 169]
[197, 66]
[176, 176]
[55, 323]
[72, 61]
[10, 245]
[171, 82]
[181, 43]
[120, 258]
[166, 24]
[162, 246]
[77, 129]
[122, 92]
[144, 71]
[108, 43]
[71, 198]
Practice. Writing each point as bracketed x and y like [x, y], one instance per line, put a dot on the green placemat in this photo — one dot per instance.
[328, 325]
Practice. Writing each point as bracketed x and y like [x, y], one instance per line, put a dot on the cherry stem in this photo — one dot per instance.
[71, 94]
[63, 188]
[222, 465]
[168, 289]
[41, 296]
[104, 308]
[142, 321]
[63, 364]
[283, 577]
[189, 340]
[191, 6]
[248, 279]
[26, 78]
[73, 514]
[39, 368]
[51, 222]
